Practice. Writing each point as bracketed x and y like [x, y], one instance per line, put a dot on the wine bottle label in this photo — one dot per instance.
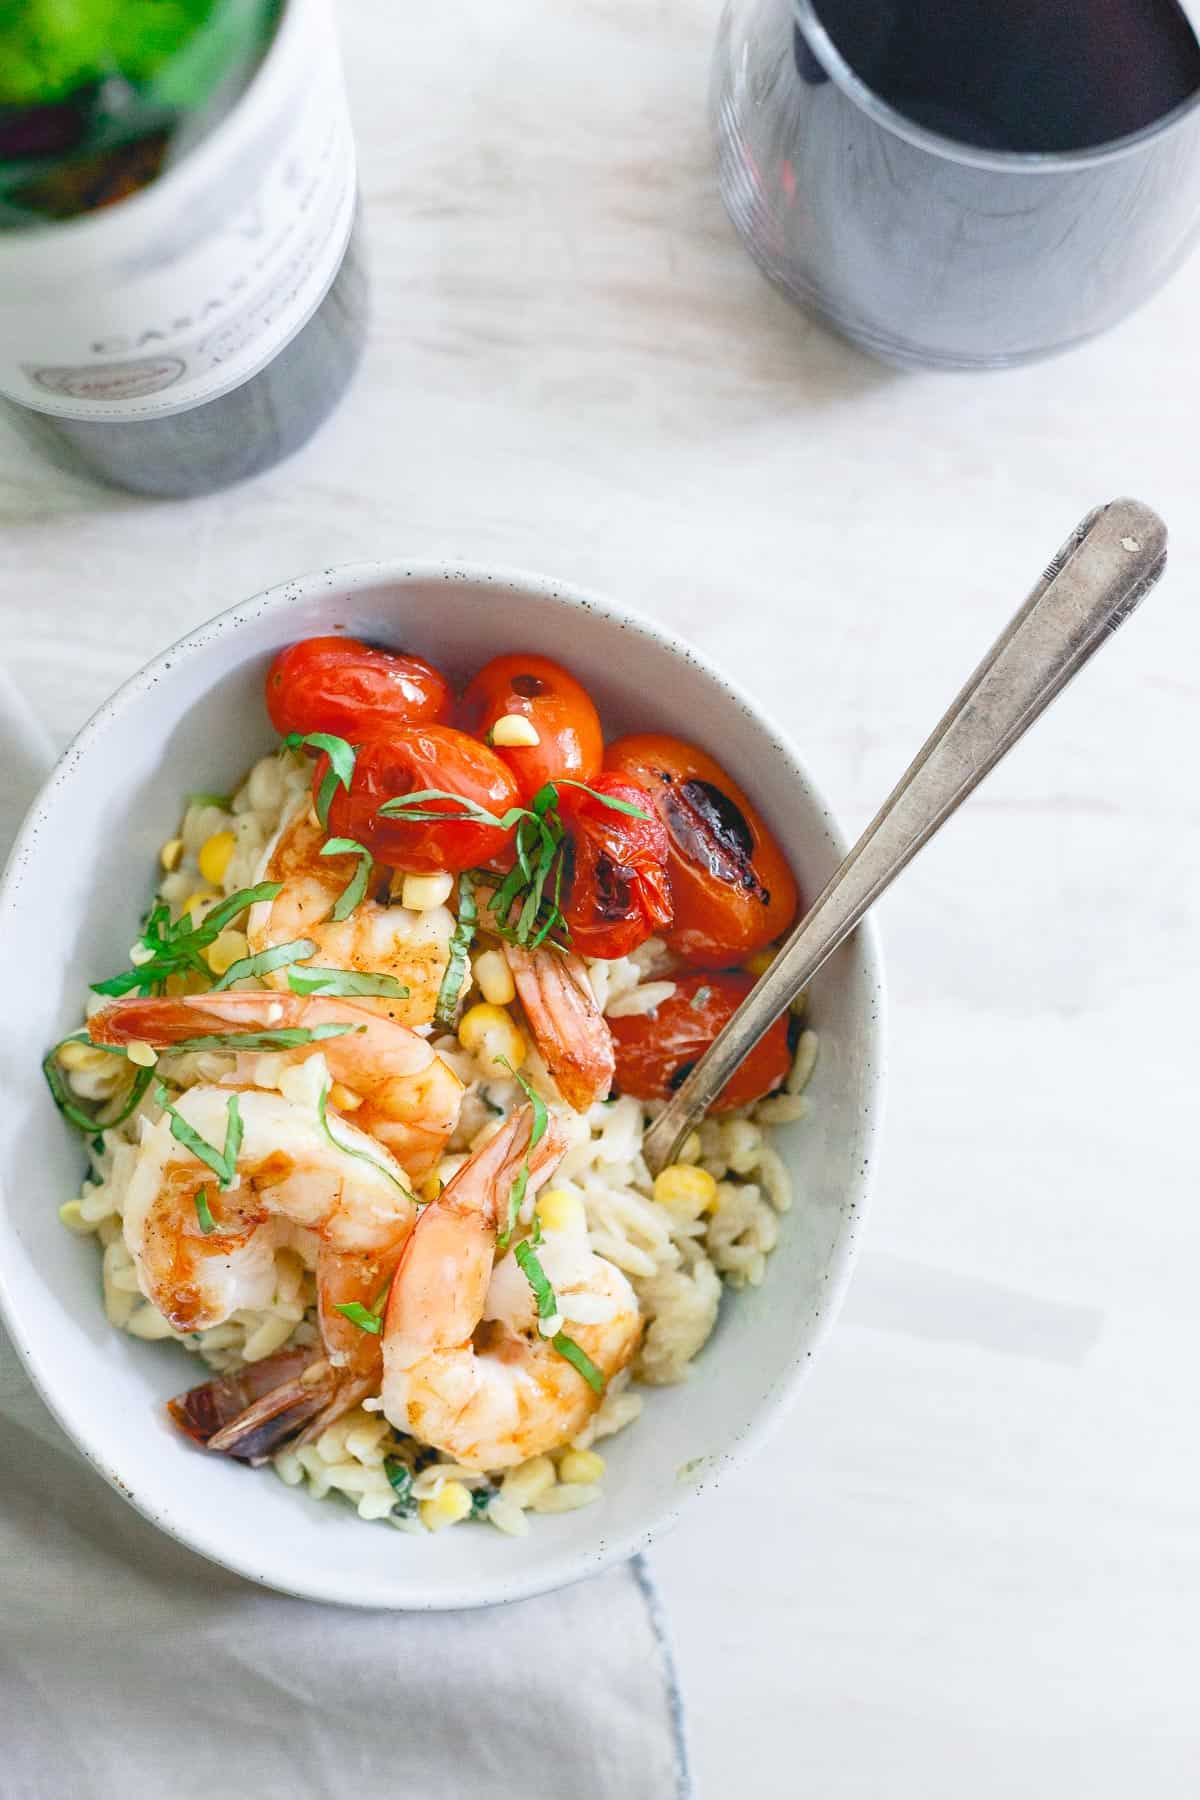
[185, 291]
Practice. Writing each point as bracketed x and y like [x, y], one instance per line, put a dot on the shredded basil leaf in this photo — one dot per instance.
[535, 1275]
[228, 910]
[285, 1037]
[401, 1478]
[516, 1193]
[207, 1222]
[223, 1163]
[481, 1499]
[460, 944]
[279, 956]
[359, 1315]
[77, 1115]
[323, 1116]
[356, 887]
[539, 848]
[413, 806]
[141, 1082]
[579, 1359]
[609, 800]
[516, 1199]
[541, 1116]
[176, 948]
[345, 982]
[224, 801]
[82, 1121]
[340, 772]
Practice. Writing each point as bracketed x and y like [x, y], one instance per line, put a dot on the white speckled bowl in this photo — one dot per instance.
[76, 882]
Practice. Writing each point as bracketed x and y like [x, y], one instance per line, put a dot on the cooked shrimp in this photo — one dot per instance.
[465, 1368]
[410, 1098]
[569, 1028]
[290, 1181]
[378, 937]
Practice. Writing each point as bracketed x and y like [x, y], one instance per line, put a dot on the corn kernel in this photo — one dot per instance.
[514, 732]
[81, 1058]
[144, 1055]
[685, 1189]
[560, 1211]
[489, 1034]
[197, 904]
[421, 893]
[582, 1466]
[229, 948]
[342, 1099]
[431, 1189]
[495, 978]
[760, 962]
[214, 856]
[446, 1508]
[171, 854]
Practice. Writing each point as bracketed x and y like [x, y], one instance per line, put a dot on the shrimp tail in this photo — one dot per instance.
[571, 1031]
[249, 1413]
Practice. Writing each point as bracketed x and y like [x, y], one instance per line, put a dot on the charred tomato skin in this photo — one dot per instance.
[352, 690]
[570, 742]
[405, 760]
[732, 889]
[619, 892]
[655, 1052]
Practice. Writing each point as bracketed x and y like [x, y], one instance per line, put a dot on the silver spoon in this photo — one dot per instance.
[1110, 561]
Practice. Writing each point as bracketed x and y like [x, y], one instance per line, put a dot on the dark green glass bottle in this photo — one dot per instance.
[182, 299]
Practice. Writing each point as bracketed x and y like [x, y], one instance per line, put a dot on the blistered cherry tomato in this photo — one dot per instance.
[569, 743]
[345, 687]
[406, 760]
[655, 1051]
[730, 883]
[618, 893]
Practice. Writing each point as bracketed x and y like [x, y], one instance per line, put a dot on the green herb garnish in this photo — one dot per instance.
[609, 800]
[360, 1316]
[70, 1109]
[207, 1222]
[401, 1478]
[223, 1163]
[481, 1499]
[224, 801]
[547, 1307]
[579, 1359]
[176, 949]
[541, 1117]
[356, 887]
[283, 1037]
[460, 944]
[415, 808]
[535, 1275]
[348, 983]
[340, 772]
[323, 1116]
[536, 878]
[532, 889]
[263, 962]
[516, 1193]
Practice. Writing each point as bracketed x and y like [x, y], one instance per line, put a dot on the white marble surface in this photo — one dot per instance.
[969, 1564]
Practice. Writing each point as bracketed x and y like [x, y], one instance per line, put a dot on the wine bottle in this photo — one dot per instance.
[182, 296]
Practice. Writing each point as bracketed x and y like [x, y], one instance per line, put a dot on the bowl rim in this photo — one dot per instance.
[565, 1566]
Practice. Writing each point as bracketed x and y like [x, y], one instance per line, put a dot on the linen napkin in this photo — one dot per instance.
[131, 1667]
